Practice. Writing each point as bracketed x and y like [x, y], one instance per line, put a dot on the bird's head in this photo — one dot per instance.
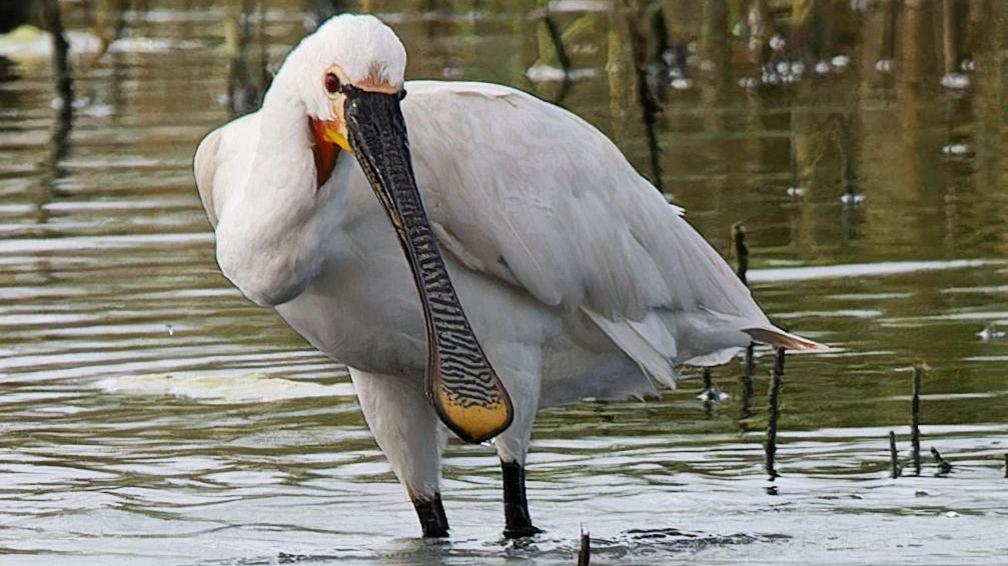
[348, 73]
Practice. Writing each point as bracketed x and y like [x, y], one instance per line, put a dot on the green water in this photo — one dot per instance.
[149, 414]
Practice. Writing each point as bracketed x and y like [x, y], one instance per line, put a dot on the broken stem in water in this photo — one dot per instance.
[647, 97]
[843, 141]
[584, 554]
[742, 256]
[709, 395]
[776, 378]
[943, 466]
[741, 251]
[747, 382]
[556, 37]
[64, 78]
[915, 418]
[893, 459]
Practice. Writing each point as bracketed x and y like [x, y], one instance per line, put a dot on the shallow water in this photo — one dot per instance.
[151, 415]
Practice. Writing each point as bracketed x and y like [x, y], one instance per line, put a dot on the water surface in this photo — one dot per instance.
[149, 414]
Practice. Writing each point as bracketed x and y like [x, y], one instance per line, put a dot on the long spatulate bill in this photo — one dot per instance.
[463, 387]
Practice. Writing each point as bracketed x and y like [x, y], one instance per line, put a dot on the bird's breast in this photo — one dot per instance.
[362, 309]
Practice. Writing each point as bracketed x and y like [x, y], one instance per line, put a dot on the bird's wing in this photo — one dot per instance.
[531, 194]
[223, 153]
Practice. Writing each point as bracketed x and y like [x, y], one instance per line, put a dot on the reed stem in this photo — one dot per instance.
[915, 410]
[893, 458]
[584, 554]
[776, 380]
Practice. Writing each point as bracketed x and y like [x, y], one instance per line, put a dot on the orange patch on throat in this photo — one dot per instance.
[325, 151]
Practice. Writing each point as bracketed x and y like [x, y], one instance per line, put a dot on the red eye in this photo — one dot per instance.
[332, 83]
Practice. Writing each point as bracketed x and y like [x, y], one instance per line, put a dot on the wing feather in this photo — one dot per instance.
[565, 216]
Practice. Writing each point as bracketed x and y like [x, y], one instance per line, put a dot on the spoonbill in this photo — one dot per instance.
[577, 277]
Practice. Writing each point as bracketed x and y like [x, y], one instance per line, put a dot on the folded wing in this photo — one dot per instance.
[566, 217]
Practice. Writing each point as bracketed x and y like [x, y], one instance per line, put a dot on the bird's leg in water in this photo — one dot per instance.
[432, 516]
[408, 432]
[517, 522]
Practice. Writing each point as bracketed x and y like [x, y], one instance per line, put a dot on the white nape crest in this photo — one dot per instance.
[364, 47]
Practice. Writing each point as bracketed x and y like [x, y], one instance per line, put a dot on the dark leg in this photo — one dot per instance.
[432, 516]
[516, 516]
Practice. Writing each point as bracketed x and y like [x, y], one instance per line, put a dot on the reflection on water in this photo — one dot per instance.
[149, 411]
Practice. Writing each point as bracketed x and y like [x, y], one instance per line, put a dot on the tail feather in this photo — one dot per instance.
[715, 340]
[653, 352]
[780, 339]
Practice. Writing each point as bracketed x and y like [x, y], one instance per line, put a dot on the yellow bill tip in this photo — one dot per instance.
[475, 423]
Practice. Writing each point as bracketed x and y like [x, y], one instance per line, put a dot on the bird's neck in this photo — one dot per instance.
[283, 122]
[283, 161]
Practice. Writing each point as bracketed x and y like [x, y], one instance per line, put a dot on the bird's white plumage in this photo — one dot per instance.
[578, 278]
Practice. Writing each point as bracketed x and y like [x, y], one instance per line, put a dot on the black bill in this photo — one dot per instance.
[464, 389]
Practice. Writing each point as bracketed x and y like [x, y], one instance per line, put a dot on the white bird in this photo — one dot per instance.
[577, 278]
